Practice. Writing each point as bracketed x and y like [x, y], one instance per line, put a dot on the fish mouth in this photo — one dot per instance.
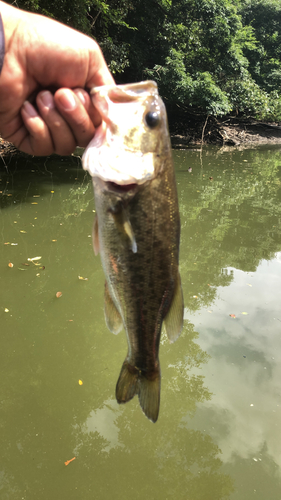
[121, 188]
[125, 93]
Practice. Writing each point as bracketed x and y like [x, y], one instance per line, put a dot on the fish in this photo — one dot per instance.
[136, 231]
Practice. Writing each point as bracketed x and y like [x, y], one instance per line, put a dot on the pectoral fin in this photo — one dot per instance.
[95, 235]
[129, 231]
[112, 316]
[174, 318]
[124, 225]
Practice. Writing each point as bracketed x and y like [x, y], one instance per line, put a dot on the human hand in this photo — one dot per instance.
[41, 55]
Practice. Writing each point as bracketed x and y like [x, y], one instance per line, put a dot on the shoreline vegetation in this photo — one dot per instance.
[217, 63]
[228, 131]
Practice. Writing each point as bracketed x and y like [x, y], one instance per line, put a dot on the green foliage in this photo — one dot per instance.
[265, 61]
[213, 56]
[247, 97]
[70, 12]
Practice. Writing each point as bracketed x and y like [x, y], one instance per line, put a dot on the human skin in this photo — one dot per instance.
[44, 107]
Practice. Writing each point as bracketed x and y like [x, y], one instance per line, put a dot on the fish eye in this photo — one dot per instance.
[152, 119]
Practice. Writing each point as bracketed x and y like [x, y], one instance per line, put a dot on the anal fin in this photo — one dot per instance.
[173, 320]
[112, 316]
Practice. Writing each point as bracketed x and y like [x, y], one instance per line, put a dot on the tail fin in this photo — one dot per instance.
[131, 381]
[149, 396]
[127, 384]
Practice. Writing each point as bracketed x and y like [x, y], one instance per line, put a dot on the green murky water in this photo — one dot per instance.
[218, 434]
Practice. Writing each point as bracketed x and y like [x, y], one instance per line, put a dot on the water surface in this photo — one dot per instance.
[218, 433]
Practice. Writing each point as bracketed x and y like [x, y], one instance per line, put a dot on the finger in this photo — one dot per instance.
[33, 137]
[75, 108]
[87, 102]
[63, 139]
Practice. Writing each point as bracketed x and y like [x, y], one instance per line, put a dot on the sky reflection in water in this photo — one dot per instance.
[218, 431]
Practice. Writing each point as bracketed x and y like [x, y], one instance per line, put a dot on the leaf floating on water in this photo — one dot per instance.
[249, 284]
[58, 295]
[14, 244]
[245, 314]
[7, 243]
[68, 461]
[54, 240]
[22, 231]
[34, 203]
[80, 382]
[195, 296]
[34, 258]
[10, 264]
[81, 278]
[25, 264]
[6, 310]
[232, 315]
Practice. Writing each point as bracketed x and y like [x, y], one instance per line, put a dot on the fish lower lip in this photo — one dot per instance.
[121, 188]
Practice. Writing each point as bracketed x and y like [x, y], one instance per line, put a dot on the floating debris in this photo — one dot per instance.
[68, 461]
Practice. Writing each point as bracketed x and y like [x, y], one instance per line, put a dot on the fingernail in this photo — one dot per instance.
[80, 96]
[47, 99]
[29, 109]
[67, 100]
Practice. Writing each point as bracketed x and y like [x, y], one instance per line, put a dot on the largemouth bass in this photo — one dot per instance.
[136, 231]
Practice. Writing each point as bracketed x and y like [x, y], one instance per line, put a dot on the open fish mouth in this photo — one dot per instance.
[121, 188]
[126, 93]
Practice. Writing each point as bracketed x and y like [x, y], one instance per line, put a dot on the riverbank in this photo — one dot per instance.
[226, 132]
